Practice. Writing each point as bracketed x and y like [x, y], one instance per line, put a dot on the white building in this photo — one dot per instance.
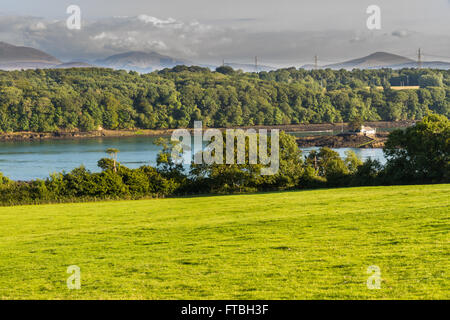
[367, 131]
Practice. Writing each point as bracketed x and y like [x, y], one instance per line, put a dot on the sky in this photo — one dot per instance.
[280, 33]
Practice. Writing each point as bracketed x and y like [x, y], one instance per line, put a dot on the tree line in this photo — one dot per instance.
[419, 154]
[88, 99]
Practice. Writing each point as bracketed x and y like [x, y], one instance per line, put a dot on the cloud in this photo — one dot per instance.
[38, 26]
[401, 33]
[158, 22]
[206, 43]
[110, 36]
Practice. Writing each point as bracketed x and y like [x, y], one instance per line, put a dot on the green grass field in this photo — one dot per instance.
[289, 245]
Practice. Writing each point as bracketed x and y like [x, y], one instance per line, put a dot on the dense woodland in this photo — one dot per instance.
[420, 154]
[93, 98]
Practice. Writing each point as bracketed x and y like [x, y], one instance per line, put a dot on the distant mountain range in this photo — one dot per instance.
[11, 53]
[380, 60]
[13, 57]
[17, 58]
[74, 65]
[426, 64]
[373, 61]
[140, 61]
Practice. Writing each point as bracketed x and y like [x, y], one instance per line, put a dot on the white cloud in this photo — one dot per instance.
[101, 36]
[38, 26]
[155, 21]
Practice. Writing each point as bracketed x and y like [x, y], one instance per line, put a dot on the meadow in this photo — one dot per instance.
[284, 245]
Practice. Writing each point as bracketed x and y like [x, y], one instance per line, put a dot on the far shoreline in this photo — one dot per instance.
[67, 135]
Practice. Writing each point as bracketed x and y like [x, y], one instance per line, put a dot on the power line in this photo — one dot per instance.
[434, 55]
[426, 54]
[419, 60]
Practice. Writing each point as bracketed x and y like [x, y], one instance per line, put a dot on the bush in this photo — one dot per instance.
[420, 154]
[431, 80]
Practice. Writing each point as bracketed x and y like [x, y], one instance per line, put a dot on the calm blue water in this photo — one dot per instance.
[37, 159]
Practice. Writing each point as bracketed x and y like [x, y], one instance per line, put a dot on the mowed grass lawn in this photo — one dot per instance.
[287, 245]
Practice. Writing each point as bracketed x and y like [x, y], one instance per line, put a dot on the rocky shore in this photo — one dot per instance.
[32, 136]
[321, 127]
[344, 141]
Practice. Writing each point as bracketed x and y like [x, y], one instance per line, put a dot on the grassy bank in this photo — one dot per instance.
[290, 245]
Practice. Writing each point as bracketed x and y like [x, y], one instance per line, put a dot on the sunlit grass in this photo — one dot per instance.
[290, 245]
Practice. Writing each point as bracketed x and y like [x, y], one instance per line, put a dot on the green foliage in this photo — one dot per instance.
[246, 177]
[352, 161]
[167, 166]
[355, 124]
[112, 152]
[106, 164]
[225, 70]
[420, 153]
[4, 180]
[92, 98]
[431, 80]
[367, 174]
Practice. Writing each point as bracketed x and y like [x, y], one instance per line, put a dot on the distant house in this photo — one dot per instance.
[367, 131]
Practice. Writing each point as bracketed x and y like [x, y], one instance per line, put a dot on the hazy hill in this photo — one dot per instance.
[140, 61]
[309, 66]
[375, 60]
[16, 57]
[74, 64]
[379, 60]
[249, 67]
[427, 64]
[11, 53]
